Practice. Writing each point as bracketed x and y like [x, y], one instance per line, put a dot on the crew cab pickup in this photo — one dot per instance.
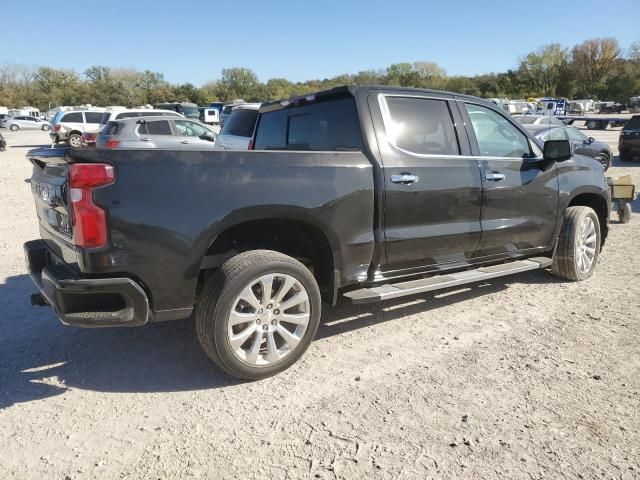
[355, 194]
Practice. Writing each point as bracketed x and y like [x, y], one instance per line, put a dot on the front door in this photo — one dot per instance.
[520, 189]
[432, 185]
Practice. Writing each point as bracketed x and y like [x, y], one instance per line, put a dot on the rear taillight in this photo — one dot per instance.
[56, 128]
[111, 143]
[89, 220]
[251, 144]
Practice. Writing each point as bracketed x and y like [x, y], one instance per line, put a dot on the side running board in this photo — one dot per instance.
[386, 292]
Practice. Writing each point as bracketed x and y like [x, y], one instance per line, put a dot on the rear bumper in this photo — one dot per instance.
[85, 302]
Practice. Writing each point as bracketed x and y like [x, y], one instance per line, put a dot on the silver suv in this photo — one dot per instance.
[157, 132]
[25, 123]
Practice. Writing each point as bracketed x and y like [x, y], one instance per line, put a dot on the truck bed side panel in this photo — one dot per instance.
[167, 206]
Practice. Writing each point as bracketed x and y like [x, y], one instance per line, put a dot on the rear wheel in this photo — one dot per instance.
[624, 213]
[578, 246]
[75, 140]
[14, 128]
[46, 127]
[258, 314]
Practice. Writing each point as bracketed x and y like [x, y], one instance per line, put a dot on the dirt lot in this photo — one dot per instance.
[524, 377]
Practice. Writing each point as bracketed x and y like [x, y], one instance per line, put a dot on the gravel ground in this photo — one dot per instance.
[523, 377]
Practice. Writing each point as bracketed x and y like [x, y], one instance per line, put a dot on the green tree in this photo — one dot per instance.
[593, 62]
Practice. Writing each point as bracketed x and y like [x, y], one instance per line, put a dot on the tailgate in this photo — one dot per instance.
[49, 188]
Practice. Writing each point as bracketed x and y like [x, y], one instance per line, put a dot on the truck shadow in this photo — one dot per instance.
[40, 358]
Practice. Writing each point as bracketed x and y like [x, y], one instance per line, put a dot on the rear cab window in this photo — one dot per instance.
[327, 125]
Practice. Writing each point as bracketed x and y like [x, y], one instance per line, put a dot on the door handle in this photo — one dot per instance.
[145, 139]
[184, 141]
[404, 178]
[495, 177]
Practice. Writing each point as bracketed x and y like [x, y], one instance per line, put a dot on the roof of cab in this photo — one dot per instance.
[353, 90]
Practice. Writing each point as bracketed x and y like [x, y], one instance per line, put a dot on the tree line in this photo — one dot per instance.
[597, 68]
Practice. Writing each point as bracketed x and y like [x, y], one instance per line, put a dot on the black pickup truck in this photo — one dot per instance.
[357, 194]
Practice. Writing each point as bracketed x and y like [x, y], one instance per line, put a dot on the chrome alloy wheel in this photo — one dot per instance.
[586, 245]
[268, 319]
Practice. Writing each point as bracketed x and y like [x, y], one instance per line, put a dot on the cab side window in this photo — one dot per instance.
[496, 136]
[419, 125]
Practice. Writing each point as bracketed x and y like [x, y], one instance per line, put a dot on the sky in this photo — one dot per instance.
[193, 40]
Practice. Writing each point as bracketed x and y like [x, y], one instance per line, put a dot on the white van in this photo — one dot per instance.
[70, 126]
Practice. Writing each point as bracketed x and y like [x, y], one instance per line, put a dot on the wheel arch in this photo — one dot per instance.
[599, 204]
[294, 234]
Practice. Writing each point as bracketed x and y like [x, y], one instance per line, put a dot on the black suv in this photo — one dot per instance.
[629, 141]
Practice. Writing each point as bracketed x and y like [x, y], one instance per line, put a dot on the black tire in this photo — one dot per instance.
[624, 213]
[75, 140]
[592, 124]
[45, 128]
[604, 159]
[566, 257]
[14, 128]
[221, 291]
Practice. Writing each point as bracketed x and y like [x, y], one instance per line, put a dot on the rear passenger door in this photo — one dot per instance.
[157, 134]
[432, 185]
[520, 189]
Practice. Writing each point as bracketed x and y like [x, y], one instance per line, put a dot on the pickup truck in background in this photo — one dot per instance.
[356, 193]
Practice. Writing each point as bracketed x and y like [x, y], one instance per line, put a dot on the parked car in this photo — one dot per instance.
[90, 136]
[69, 126]
[359, 193]
[188, 110]
[537, 120]
[25, 123]
[3, 143]
[582, 145]
[629, 140]
[226, 110]
[156, 132]
[633, 104]
[238, 129]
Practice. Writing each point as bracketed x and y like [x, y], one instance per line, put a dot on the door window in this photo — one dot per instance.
[420, 125]
[93, 117]
[496, 136]
[158, 127]
[75, 117]
[189, 129]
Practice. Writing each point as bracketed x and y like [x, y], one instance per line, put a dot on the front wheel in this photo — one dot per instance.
[578, 246]
[14, 128]
[258, 314]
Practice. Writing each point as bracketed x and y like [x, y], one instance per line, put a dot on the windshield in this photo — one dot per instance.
[525, 120]
[240, 123]
[634, 123]
[190, 112]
